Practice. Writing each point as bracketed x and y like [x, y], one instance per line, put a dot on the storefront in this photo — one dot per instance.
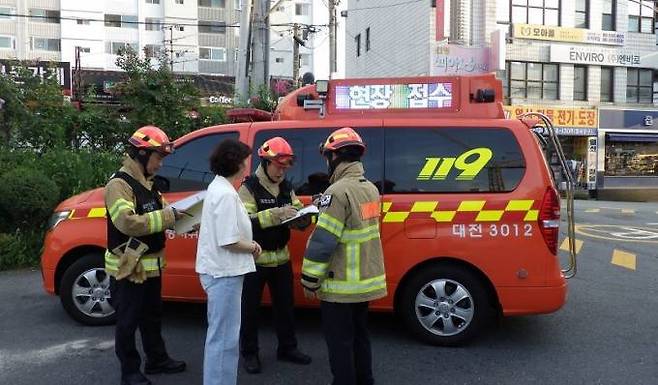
[628, 155]
[577, 131]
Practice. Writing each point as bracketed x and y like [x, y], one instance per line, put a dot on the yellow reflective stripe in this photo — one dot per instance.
[331, 224]
[471, 205]
[151, 263]
[251, 208]
[159, 221]
[314, 269]
[489, 215]
[297, 204]
[531, 215]
[273, 257]
[519, 205]
[120, 205]
[98, 212]
[396, 217]
[111, 261]
[444, 216]
[361, 235]
[352, 265]
[386, 206]
[424, 207]
[265, 218]
[349, 287]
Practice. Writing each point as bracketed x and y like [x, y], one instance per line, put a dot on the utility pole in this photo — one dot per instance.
[242, 73]
[332, 37]
[295, 55]
[260, 73]
[171, 48]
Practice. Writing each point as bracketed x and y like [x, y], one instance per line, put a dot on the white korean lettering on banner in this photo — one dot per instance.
[418, 96]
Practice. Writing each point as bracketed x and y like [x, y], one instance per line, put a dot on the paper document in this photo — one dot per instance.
[308, 210]
[192, 205]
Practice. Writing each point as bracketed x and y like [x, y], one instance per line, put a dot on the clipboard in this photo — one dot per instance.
[192, 205]
[302, 213]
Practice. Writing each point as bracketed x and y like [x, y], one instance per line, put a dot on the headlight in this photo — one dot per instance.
[56, 218]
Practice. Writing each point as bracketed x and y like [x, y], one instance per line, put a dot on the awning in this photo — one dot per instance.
[628, 137]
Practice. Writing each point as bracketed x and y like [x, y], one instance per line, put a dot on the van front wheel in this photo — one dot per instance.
[445, 305]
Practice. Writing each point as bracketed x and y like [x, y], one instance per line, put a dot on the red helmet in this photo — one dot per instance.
[340, 138]
[152, 138]
[278, 151]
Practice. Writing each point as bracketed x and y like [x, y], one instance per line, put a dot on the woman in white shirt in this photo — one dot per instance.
[225, 253]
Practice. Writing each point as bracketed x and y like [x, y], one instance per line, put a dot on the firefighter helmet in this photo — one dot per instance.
[278, 151]
[151, 138]
[342, 138]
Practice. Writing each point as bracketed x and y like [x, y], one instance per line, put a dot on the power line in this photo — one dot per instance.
[203, 23]
[384, 6]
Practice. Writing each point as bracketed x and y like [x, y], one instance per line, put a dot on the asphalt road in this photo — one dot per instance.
[607, 333]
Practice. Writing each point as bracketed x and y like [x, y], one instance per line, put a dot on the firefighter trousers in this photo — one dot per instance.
[138, 306]
[279, 282]
[345, 328]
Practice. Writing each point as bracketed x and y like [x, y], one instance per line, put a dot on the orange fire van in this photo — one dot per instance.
[470, 214]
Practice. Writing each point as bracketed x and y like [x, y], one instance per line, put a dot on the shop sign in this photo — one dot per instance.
[571, 35]
[447, 59]
[41, 69]
[221, 99]
[592, 151]
[566, 119]
[629, 119]
[597, 56]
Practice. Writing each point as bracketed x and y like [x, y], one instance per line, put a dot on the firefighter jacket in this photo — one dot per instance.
[140, 213]
[344, 260]
[263, 200]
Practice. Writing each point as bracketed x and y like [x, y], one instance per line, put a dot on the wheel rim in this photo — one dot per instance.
[91, 293]
[444, 307]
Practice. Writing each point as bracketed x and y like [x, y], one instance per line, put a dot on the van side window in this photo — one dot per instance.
[188, 168]
[309, 174]
[420, 160]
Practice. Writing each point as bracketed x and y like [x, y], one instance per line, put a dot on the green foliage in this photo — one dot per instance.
[27, 197]
[20, 249]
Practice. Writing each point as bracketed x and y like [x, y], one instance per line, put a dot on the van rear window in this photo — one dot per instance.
[430, 160]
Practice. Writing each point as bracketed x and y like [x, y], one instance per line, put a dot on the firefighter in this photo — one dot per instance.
[137, 218]
[344, 263]
[269, 200]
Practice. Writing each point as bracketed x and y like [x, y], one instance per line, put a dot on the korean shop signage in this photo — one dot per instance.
[597, 56]
[568, 121]
[448, 59]
[62, 70]
[394, 96]
[571, 35]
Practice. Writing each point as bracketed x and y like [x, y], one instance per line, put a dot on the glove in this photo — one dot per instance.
[139, 274]
[129, 257]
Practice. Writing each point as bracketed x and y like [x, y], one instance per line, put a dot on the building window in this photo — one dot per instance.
[115, 47]
[6, 13]
[582, 10]
[7, 42]
[212, 27]
[152, 50]
[607, 84]
[152, 1]
[546, 12]
[640, 16]
[305, 59]
[238, 5]
[357, 41]
[367, 39]
[580, 83]
[215, 54]
[179, 28]
[302, 9]
[83, 22]
[278, 60]
[44, 44]
[533, 80]
[180, 2]
[121, 21]
[212, 3]
[639, 86]
[44, 16]
[85, 50]
[631, 155]
[153, 24]
[609, 15]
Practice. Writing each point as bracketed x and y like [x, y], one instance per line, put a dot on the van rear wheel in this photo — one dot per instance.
[85, 291]
[445, 305]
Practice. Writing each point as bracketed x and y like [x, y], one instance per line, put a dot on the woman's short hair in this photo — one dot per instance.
[226, 158]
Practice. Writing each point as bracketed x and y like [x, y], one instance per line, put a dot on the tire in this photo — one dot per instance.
[449, 319]
[85, 291]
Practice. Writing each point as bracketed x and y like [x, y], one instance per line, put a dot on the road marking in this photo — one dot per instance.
[593, 210]
[623, 259]
[619, 233]
[627, 211]
[565, 245]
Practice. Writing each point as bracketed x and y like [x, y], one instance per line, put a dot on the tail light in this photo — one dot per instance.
[549, 219]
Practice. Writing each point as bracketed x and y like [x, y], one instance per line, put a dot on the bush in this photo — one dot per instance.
[27, 198]
[20, 249]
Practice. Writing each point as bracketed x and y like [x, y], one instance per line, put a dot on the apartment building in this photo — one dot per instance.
[590, 65]
[283, 16]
